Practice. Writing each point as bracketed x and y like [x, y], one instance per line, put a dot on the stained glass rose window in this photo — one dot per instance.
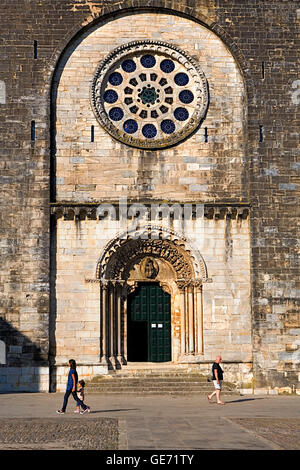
[149, 94]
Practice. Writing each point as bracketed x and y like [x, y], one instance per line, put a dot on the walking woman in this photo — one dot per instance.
[72, 389]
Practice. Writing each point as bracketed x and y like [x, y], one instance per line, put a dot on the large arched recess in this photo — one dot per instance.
[110, 13]
[85, 29]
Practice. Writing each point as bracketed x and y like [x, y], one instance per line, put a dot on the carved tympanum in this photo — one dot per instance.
[149, 268]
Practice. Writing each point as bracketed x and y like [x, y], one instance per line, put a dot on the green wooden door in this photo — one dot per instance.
[149, 324]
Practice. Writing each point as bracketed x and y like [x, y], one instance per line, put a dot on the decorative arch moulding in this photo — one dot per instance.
[120, 255]
[111, 11]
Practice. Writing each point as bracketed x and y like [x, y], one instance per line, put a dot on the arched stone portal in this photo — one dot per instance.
[125, 263]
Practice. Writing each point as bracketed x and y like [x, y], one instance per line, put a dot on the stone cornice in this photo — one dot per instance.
[102, 210]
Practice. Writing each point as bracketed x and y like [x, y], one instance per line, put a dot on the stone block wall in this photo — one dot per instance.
[78, 302]
[227, 322]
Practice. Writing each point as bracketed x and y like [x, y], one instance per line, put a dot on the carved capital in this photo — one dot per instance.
[104, 284]
[130, 287]
[166, 287]
[189, 283]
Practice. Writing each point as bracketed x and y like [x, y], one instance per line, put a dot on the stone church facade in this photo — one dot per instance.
[149, 190]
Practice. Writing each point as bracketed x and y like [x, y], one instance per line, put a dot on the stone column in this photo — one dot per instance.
[118, 298]
[186, 320]
[191, 316]
[191, 319]
[125, 291]
[182, 325]
[124, 304]
[198, 320]
[182, 285]
[112, 332]
[104, 324]
[111, 315]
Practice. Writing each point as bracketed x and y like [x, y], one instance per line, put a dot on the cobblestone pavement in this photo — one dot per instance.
[67, 434]
[285, 433]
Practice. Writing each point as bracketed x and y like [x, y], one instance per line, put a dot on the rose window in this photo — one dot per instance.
[149, 94]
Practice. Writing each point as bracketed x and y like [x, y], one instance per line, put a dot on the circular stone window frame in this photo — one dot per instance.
[168, 51]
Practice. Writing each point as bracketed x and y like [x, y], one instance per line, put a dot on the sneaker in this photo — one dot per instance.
[60, 412]
[76, 411]
[84, 411]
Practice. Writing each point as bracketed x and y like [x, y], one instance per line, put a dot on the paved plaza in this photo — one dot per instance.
[254, 422]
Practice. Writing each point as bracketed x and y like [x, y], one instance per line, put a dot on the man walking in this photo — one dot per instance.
[217, 378]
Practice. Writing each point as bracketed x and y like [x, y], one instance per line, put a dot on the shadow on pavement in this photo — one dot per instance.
[243, 399]
[112, 411]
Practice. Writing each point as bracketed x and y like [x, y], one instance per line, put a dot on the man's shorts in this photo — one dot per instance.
[218, 386]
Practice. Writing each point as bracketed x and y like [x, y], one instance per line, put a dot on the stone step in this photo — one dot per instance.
[164, 382]
[159, 387]
[153, 386]
[151, 390]
[159, 392]
[154, 381]
[162, 375]
[149, 374]
[153, 368]
[151, 379]
[148, 386]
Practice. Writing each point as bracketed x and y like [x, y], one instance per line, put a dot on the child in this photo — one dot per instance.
[80, 395]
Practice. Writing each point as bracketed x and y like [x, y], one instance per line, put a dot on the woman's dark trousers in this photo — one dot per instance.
[66, 397]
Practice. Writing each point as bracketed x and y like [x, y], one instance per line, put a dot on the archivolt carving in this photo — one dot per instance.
[121, 261]
[166, 287]
[122, 253]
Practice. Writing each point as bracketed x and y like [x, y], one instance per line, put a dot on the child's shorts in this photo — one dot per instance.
[218, 386]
